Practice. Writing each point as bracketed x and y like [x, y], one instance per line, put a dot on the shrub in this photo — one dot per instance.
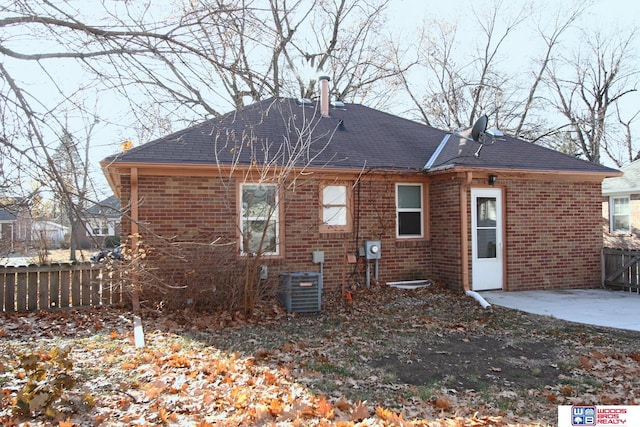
[202, 277]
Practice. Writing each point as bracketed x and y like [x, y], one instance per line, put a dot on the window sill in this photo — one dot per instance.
[412, 243]
[332, 233]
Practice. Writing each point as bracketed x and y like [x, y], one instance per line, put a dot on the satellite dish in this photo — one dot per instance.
[479, 127]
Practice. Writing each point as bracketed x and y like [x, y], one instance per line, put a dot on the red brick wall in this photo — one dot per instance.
[553, 229]
[402, 259]
[445, 232]
[553, 234]
[203, 209]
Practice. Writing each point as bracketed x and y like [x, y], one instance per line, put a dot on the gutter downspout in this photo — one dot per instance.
[483, 302]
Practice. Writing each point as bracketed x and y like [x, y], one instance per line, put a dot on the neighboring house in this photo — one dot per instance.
[102, 220]
[7, 224]
[306, 177]
[50, 233]
[15, 225]
[621, 208]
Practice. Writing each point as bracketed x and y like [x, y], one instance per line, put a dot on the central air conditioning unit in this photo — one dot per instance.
[300, 292]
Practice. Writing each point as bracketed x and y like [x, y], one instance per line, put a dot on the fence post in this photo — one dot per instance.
[10, 291]
[32, 289]
[43, 289]
[99, 280]
[603, 273]
[21, 291]
[3, 280]
[95, 286]
[65, 286]
[54, 287]
[86, 285]
[75, 287]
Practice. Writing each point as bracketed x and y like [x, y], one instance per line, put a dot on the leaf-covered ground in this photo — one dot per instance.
[389, 357]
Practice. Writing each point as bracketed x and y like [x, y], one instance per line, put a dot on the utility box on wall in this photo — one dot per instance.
[300, 292]
[372, 249]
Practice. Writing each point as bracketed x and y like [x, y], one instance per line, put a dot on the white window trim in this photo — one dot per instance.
[421, 211]
[611, 214]
[100, 225]
[275, 216]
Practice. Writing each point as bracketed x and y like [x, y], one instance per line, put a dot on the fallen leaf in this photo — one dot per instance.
[360, 412]
[324, 409]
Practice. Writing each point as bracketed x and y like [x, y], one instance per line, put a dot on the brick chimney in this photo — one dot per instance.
[324, 96]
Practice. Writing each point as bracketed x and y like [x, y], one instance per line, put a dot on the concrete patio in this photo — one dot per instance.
[601, 307]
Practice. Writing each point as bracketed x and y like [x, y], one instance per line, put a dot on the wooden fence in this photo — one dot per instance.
[621, 269]
[29, 288]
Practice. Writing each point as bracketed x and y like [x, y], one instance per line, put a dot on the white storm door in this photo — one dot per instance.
[486, 239]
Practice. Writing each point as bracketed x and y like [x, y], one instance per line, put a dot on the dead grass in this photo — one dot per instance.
[390, 357]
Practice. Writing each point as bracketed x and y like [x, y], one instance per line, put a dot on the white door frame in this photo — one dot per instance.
[487, 253]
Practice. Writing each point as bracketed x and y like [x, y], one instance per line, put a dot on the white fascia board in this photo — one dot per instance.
[621, 191]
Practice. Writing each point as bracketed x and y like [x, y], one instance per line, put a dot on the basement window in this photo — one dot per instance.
[620, 214]
[259, 219]
[409, 211]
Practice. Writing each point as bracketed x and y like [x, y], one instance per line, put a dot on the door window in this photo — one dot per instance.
[486, 230]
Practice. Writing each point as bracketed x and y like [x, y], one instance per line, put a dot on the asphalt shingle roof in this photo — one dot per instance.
[108, 206]
[352, 137]
[627, 183]
[510, 153]
[360, 137]
[6, 216]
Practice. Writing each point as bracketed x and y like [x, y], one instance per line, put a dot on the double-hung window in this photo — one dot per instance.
[409, 210]
[102, 228]
[259, 219]
[335, 210]
[620, 214]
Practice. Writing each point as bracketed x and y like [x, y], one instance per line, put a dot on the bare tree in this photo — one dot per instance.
[443, 100]
[464, 82]
[73, 192]
[486, 88]
[552, 38]
[587, 87]
[188, 60]
[628, 140]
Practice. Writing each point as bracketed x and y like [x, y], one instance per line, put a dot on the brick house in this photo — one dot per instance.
[101, 222]
[621, 208]
[289, 177]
